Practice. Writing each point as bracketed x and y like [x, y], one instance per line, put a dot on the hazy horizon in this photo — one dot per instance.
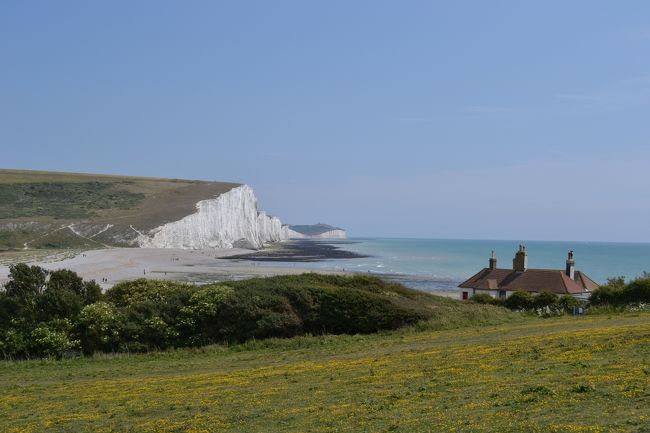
[469, 120]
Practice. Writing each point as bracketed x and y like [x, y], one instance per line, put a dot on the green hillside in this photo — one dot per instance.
[313, 229]
[36, 207]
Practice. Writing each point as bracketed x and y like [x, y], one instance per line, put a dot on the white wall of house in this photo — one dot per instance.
[493, 293]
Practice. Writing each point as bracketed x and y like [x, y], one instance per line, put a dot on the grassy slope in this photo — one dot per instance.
[139, 201]
[314, 229]
[586, 374]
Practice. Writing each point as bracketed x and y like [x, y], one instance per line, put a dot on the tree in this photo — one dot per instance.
[567, 302]
[545, 299]
[9, 309]
[100, 327]
[65, 295]
[519, 301]
[200, 318]
[25, 282]
[52, 340]
[638, 290]
[606, 295]
[616, 282]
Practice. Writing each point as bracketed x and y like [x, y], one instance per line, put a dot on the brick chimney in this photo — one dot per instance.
[571, 266]
[520, 262]
[493, 260]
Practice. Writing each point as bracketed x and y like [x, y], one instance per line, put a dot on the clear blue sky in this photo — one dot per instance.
[405, 118]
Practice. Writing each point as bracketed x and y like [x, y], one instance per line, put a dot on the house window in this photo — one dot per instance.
[502, 294]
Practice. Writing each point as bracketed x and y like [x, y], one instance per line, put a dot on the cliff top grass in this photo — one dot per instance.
[51, 199]
[98, 197]
[313, 229]
[563, 374]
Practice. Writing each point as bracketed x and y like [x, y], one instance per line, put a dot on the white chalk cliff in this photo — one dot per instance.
[226, 221]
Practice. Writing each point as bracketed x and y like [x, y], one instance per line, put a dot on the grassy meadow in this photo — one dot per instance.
[562, 374]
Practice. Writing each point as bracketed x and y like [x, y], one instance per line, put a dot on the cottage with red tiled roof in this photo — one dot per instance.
[501, 283]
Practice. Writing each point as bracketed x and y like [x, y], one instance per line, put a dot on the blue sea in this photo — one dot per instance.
[441, 264]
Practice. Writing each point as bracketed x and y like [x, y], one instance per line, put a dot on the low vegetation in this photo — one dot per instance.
[563, 374]
[36, 206]
[545, 303]
[57, 314]
[617, 293]
[62, 200]
[401, 361]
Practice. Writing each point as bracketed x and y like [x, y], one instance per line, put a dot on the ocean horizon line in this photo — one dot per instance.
[495, 240]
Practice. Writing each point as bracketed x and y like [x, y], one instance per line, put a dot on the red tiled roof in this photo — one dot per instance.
[531, 280]
[586, 282]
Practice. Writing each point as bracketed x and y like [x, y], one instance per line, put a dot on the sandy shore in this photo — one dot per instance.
[120, 264]
[112, 265]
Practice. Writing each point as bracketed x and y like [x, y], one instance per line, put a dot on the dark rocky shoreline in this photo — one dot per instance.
[300, 251]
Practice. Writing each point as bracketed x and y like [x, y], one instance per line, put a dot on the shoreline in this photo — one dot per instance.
[110, 266]
[300, 250]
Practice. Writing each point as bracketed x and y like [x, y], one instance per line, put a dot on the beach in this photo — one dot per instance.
[433, 265]
[112, 265]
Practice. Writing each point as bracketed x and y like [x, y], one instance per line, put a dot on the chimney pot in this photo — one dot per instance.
[570, 265]
[520, 262]
[493, 260]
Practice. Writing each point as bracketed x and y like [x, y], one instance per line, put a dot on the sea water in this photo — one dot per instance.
[442, 264]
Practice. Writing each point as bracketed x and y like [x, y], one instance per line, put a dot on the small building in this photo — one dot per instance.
[501, 283]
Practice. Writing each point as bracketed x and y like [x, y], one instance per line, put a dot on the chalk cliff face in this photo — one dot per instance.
[226, 221]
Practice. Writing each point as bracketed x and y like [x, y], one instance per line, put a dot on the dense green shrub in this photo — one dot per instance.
[39, 311]
[25, 282]
[36, 295]
[251, 313]
[347, 311]
[139, 291]
[53, 314]
[65, 295]
[544, 302]
[14, 342]
[9, 309]
[567, 302]
[618, 293]
[100, 327]
[482, 298]
[545, 299]
[52, 340]
[200, 320]
[519, 301]
[637, 291]
[159, 314]
[606, 295]
[150, 312]
[342, 304]
[616, 282]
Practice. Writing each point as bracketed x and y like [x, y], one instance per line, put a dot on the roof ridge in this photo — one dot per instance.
[566, 288]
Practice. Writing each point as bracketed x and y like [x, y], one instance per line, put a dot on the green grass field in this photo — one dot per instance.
[566, 374]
